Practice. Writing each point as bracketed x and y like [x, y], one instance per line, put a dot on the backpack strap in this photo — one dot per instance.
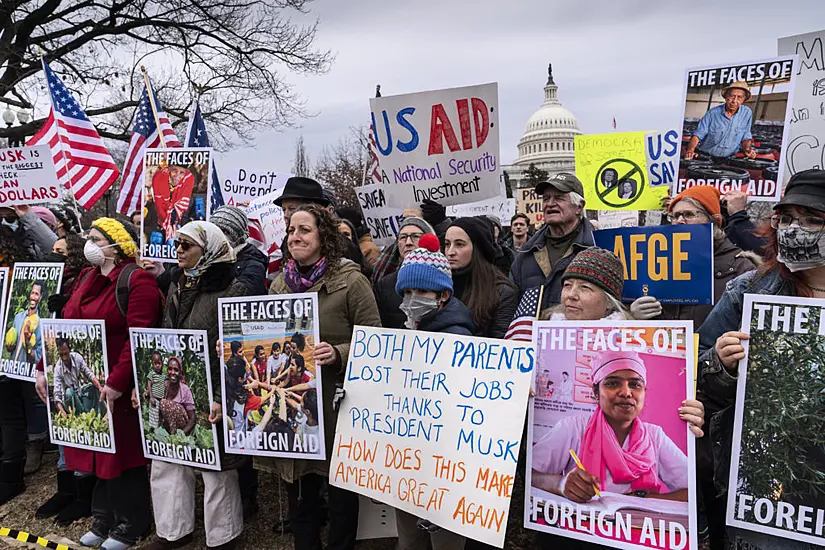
[122, 288]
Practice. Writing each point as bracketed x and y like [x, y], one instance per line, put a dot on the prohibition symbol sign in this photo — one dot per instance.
[627, 169]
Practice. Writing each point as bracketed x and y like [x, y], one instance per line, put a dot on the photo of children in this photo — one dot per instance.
[174, 193]
[74, 353]
[270, 381]
[173, 391]
[31, 286]
[611, 462]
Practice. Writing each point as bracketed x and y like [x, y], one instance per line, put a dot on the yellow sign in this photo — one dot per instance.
[530, 204]
[613, 171]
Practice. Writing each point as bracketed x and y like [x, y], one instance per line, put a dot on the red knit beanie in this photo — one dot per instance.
[705, 195]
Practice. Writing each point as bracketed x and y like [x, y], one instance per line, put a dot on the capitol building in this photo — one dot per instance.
[548, 138]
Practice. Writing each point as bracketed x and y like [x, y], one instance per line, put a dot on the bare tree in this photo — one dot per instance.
[301, 166]
[233, 55]
[341, 167]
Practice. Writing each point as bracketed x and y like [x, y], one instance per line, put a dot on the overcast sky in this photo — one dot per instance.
[610, 59]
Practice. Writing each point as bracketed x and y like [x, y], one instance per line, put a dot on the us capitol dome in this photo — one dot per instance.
[548, 138]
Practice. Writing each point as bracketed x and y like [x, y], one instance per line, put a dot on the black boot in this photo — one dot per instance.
[81, 506]
[11, 479]
[65, 494]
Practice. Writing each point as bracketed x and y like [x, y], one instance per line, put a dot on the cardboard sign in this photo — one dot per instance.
[673, 263]
[530, 204]
[242, 185]
[806, 145]
[31, 286]
[176, 181]
[776, 467]
[441, 145]
[271, 217]
[270, 381]
[383, 221]
[568, 423]
[173, 384]
[716, 135]
[614, 173]
[427, 426]
[77, 367]
[27, 176]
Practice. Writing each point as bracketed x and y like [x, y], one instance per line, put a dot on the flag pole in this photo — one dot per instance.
[541, 295]
[151, 95]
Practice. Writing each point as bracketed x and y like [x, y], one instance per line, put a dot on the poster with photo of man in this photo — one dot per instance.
[31, 286]
[271, 384]
[173, 389]
[176, 181]
[735, 126]
[74, 356]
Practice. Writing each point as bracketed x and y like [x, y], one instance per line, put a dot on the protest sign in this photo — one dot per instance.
[173, 384]
[431, 425]
[27, 176]
[662, 157]
[530, 204]
[271, 218]
[242, 185]
[602, 501]
[501, 207]
[74, 356]
[176, 181]
[717, 132]
[441, 145]
[4, 285]
[31, 286]
[614, 173]
[806, 146]
[383, 221]
[612, 219]
[271, 383]
[776, 466]
[673, 263]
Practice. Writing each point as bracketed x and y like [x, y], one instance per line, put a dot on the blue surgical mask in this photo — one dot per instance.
[14, 226]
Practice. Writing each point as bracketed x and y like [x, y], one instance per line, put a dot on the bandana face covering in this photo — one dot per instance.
[415, 308]
[800, 249]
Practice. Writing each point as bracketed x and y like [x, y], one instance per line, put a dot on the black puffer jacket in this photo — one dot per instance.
[453, 318]
[388, 301]
[250, 270]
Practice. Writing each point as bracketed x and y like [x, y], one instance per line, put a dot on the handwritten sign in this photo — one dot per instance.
[383, 221]
[502, 207]
[271, 217]
[441, 145]
[806, 145]
[27, 176]
[673, 263]
[775, 468]
[241, 185]
[662, 157]
[712, 151]
[613, 219]
[613, 170]
[431, 425]
[530, 204]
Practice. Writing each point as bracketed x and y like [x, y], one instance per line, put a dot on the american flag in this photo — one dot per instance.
[196, 137]
[614, 123]
[372, 173]
[82, 162]
[145, 136]
[521, 328]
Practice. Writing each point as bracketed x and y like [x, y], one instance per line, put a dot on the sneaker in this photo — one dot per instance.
[91, 539]
[112, 544]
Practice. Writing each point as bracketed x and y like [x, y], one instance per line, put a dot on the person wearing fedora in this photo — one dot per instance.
[725, 129]
[300, 190]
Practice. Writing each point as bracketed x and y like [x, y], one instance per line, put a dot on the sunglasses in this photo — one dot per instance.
[183, 245]
[9, 218]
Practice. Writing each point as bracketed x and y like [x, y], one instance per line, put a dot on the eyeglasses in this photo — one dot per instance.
[808, 223]
[410, 237]
[689, 216]
[183, 245]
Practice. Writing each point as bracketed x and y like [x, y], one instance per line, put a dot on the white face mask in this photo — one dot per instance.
[800, 249]
[94, 253]
[415, 307]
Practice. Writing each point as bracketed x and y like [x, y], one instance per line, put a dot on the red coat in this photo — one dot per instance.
[94, 298]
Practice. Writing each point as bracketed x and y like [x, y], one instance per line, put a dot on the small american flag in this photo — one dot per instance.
[614, 123]
[82, 162]
[145, 136]
[521, 328]
[196, 137]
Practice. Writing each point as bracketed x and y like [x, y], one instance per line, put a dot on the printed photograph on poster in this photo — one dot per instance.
[271, 385]
[441, 145]
[31, 286]
[777, 464]
[176, 181]
[173, 385]
[76, 364]
[735, 127]
[610, 461]
[28, 176]
[806, 144]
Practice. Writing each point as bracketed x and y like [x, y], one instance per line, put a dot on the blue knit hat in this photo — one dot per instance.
[425, 268]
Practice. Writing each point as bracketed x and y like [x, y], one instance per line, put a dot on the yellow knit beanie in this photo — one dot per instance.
[117, 234]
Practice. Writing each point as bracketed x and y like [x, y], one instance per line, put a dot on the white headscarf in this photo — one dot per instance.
[216, 247]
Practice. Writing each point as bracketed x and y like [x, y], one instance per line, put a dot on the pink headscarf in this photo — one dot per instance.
[600, 450]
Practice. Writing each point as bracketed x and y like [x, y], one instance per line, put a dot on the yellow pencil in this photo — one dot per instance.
[581, 467]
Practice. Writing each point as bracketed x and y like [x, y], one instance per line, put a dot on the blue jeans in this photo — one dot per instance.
[37, 421]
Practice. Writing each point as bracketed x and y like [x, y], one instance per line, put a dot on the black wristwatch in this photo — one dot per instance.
[640, 493]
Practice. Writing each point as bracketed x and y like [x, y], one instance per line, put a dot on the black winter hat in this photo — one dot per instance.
[481, 233]
[303, 189]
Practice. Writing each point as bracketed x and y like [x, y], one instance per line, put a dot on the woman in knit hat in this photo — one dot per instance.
[120, 497]
[251, 264]
[425, 283]
[700, 205]
[491, 297]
